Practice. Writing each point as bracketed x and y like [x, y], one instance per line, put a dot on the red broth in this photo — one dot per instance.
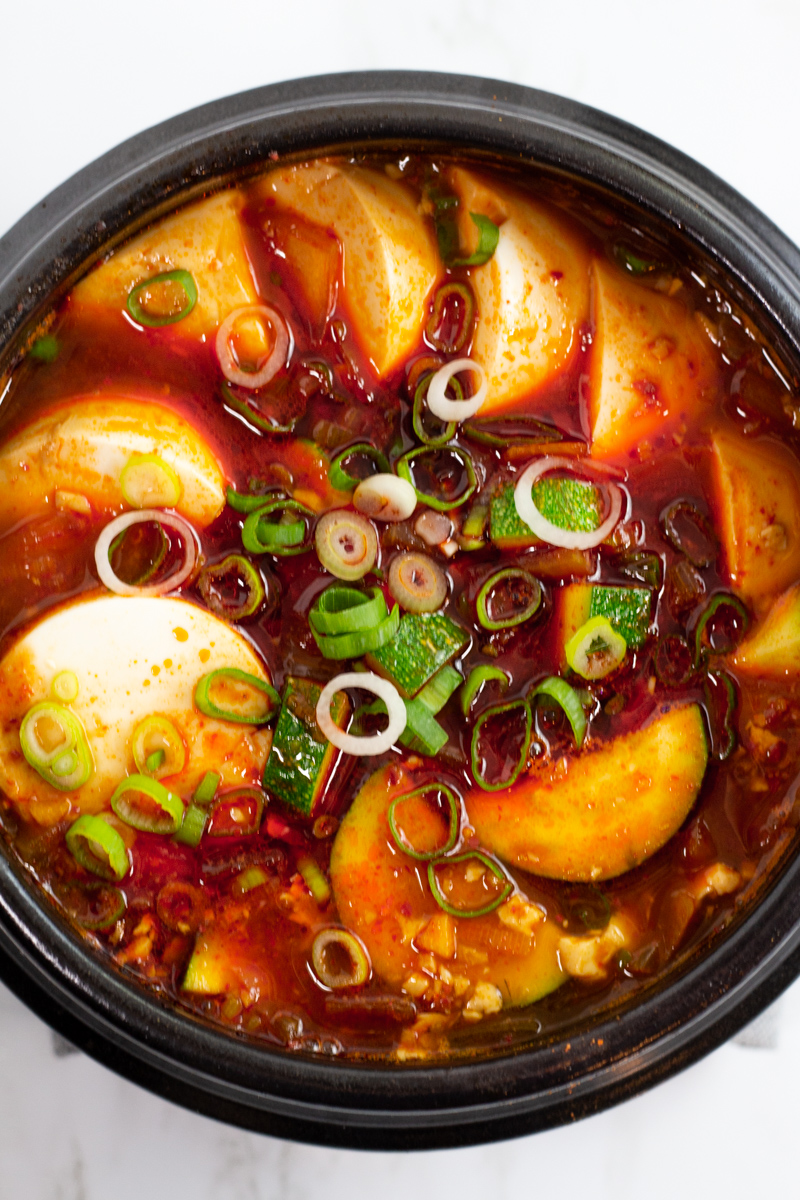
[302, 919]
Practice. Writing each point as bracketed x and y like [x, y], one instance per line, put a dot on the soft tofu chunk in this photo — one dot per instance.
[81, 448]
[757, 501]
[532, 296]
[652, 370]
[133, 657]
[205, 239]
[390, 262]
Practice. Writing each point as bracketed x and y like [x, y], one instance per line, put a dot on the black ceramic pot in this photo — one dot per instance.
[368, 1105]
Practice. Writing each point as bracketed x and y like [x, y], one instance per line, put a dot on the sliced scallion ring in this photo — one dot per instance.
[488, 237]
[146, 481]
[157, 739]
[443, 502]
[282, 536]
[340, 959]
[499, 710]
[377, 743]
[244, 699]
[147, 805]
[560, 691]
[469, 856]
[476, 679]
[104, 543]
[94, 906]
[206, 789]
[455, 410]
[596, 649]
[55, 744]
[454, 821]
[237, 574]
[192, 826]
[509, 578]
[466, 303]
[341, 479]
[246, 409]
[346, 543]
[98, 847]
[417, 583]
[447, 429]
[65, 687]
[243, 502]
[140, 551]
[135, 306]
[554, 535]
[360, 641]
[278, 354]
[347, 610]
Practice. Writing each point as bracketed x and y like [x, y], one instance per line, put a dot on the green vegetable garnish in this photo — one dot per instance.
[476, 760]
[54, 743]
[147, 805]
[98, 847]
[184, 280]
[469, 856]
[560, 691]
[477, 677]
[432, 457]
[454, 821]
[245, 698]
[596, 649]
[341, 479]
[523, 590]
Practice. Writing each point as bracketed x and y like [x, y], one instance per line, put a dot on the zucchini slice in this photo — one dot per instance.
[626, 608]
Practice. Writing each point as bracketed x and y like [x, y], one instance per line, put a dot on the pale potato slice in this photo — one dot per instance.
[757, 501]
[205, 239]
[532, 295]
[390, 261]
[652, 370]
[608, 811]
[83, 446]
[773, 647]
[133, 657]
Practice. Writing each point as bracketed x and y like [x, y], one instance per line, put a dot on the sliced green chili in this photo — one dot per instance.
[721, 600]
[496, 711]
[513, 431]
[267, 424]
[724, 737]
[566, 696]
[341, 479]
[244, 502]
[466, 318]
[206, 789]
[94, 906]
[454, 822]
[98, 847]
[233, 569]
[262, 536]
[184, 280]
[157, 810]
[477, 677]
[270, 704]
[528, 583]
[469, 856]
[341, 609]
[140, 560]
[421, 415]
[405, 469]
[54, 743]
[192, 826]
[361, 641]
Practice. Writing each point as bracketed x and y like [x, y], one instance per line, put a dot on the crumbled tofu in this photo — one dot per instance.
[439, 936]
[716, 880]
[474, 872]
[485, 1000]
[416, 984]
[520, 915]
[588, 957]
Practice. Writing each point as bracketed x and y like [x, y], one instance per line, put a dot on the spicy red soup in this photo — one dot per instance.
[400, 594]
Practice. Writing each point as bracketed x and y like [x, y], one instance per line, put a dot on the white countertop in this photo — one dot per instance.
[719, 81]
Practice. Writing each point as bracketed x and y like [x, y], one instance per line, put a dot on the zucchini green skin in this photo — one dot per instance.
[301, 759]
[568, 503]
[627, 609]
[423, 644]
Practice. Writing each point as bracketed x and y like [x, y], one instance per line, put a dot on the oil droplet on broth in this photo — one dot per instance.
[180, 634]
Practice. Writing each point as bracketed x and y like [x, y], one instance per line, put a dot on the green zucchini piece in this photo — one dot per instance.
[301, 759]
[627, 609]
[423, 644]
[569, 503]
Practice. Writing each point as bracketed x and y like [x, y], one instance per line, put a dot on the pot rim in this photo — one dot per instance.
[367, 1104]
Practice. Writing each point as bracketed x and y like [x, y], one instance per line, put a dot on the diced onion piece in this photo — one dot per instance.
[158, 748]
[340, 959]
[596, 649]
[455, 410]
[385, 497]
[554, 535]
[102, 551]
[377, 743]
[346, 543]
[147, 481]
[417, 583]
[433, 527]
[276, 358]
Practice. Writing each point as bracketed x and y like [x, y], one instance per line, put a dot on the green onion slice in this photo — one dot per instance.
[340, 959]
[454, 821]
[54, 743]
[476, 759]
[361, 641]
[447, 235]
[721, 600]
[98, 847]
[314, 878]
[476, 679]
[560, 691]
[596, 649]
[94, 906]
[423, 733]
[346, 544]
[233, 588]
[158, 739]
[243, 502]
[65, 687]
[437, 691]
[443, 431]
[271, 530]
[261, 421]
[340, 610]
[341, 479]
[432, 458]
[633, 262]
[473, 530]
[147, 805]
[470, 856]
[465, 316]
[147, 481]
[720, 694]
[501, 433]
[206, 789]
[241, 697]
[192, 826]
[417, 583]
[237, 813]
[524, 594]
[185, 282]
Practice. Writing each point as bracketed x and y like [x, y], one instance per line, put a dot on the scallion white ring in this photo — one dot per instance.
[276, 359]
[114, 528]
[455, 410]
[377, 743]
[554, 535]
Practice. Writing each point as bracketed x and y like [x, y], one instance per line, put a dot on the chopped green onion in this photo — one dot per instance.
[266, 423]
[454, 821]
[340, 610]
[361, 641]
[596, 649]
[341, 479]
[417, 583]
[332, 973]
[346, 544]
[477, 677]
[517, 581]
[641, 566]
[263, 536]
[437, 691]
[158, 748]
[184, 280]
[192, 826]
[95, 906]
[206, 789]
[154, 761]
[447, 236]
[146, 481]
[250, 700]
[499, 710]
[250, 879]
[54, 743]
[721, 600]
[469, 856]
[65, 687]
[633, 262]
[147, 805]
[502, 433]
[243, 502]
[314, 879]
[560, 691]
[444, 431]
[98, 847]
[237, 813]
[422, 733]
[45, 349]
[723, 731]
[405, 469]
[458, 338]
[236, 572]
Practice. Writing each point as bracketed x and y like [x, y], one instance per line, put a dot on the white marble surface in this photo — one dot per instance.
[718, 80]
